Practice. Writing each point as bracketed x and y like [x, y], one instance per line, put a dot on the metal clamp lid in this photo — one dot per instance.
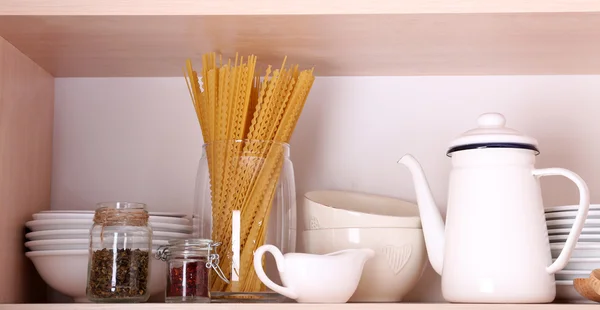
[213, 262]
[164, 252]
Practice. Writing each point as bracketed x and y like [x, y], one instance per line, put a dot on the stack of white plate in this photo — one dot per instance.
[59, 245]
[585, 257]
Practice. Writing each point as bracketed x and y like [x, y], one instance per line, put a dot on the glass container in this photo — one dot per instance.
[188, 269]
[245, 197]
[119, 258]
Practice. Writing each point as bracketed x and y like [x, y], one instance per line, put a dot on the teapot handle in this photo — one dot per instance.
[584, 205]
[280, 262]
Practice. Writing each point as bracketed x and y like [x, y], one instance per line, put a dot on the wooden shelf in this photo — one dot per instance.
[76, 38]
[403, 306]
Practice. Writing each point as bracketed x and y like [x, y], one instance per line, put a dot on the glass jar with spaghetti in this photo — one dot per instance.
[245, 194]
[245, 197]
[189, 262]
[119, 258]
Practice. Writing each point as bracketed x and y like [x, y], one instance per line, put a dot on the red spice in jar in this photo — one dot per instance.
[190, 280]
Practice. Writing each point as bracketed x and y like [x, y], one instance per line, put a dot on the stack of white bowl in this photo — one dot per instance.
[586, 255]
[59, 246]
[338, 220]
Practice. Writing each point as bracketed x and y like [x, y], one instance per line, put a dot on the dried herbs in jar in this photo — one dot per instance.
[120, 275]
[119, 259]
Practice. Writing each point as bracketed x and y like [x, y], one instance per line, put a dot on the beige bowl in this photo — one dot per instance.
[399, 261]
[66, 272]
[341, 209]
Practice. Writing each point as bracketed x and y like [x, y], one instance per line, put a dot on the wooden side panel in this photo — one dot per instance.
[26, 122]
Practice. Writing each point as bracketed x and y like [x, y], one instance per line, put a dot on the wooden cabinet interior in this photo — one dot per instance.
[26, 118]
[41, 39]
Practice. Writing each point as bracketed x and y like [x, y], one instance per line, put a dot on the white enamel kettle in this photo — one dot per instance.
[494, 247]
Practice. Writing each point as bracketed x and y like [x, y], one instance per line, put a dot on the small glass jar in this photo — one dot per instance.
[189, 263]
[119, 258]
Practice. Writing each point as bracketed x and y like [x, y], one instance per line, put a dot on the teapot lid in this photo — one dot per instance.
[492, 133]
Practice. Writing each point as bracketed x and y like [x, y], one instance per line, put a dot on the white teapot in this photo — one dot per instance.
[494, 247]
[311, 278]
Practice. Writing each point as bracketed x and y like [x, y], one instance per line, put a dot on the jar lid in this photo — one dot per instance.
[492, 133]
[190, 246]
[191, 242]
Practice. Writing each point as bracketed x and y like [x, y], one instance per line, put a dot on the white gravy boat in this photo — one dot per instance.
[310, 278]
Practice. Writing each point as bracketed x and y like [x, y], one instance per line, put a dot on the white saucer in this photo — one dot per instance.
[578, 246]
[582, 250]
[39, 225]
[168, 214]
[582, 238]
[565, 231]
[592, 214]
[569, 223]
[90, 216]
[71, 244]
[570, 208]
[85, 233]
[582, 263]
[569, 275]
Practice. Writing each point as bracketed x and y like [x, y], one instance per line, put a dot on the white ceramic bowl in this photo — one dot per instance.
[85, 233]
[399, 261]
[582, 250]
[90, 217]
[39, 225]
[570, 275]
[340, 209]
[72, 244]
[66, 272]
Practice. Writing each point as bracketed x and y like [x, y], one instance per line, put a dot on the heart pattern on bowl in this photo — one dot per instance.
[397, 256]
[314, 223]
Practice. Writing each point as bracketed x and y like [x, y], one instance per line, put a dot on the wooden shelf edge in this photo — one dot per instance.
[378, 306]
[276, 7]
[336, 45]
[150, 38]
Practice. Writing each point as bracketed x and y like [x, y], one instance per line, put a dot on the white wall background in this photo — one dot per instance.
[138, 138]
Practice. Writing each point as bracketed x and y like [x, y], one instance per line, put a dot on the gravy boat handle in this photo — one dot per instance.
[260, 272]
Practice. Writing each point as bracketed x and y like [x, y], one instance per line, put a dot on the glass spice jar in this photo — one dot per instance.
[189, 262]
[119, 258]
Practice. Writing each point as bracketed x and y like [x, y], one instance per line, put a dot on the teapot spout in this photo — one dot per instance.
[431, 219]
